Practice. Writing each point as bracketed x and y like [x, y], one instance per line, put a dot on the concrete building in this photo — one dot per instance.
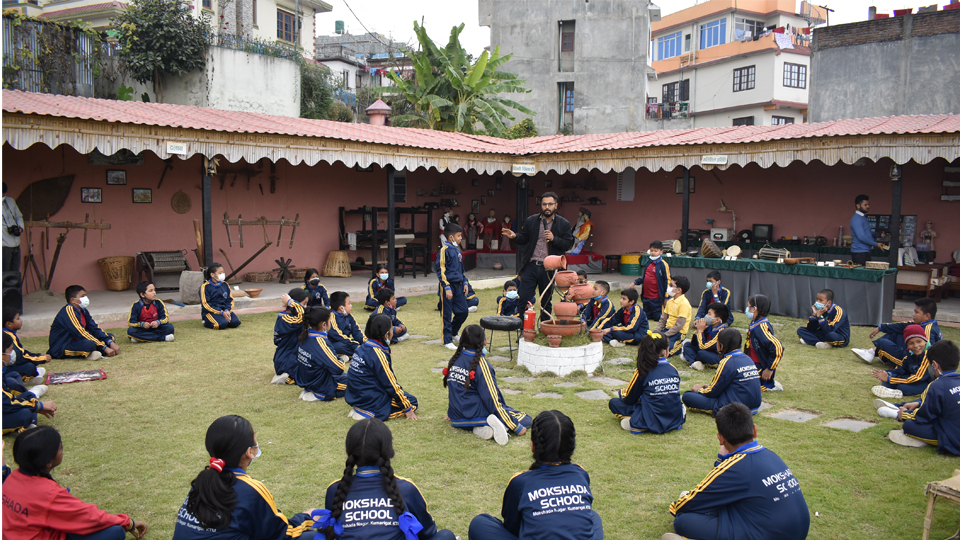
[731, 62]
[360, 60]
[887, 67]
[584, 62]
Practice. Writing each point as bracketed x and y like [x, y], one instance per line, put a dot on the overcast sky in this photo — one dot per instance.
[393, 18]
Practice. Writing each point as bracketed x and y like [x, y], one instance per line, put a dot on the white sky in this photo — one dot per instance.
[393, 18]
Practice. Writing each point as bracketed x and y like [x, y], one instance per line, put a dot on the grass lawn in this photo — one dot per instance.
[133, 442]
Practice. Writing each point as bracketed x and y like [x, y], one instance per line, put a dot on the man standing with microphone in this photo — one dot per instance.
[540, 235]
[863, 238]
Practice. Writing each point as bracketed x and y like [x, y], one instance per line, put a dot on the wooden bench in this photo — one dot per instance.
[921, 278]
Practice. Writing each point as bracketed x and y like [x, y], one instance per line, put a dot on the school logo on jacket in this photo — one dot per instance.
[560, 499]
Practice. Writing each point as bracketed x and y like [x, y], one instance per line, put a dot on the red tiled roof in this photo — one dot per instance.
[161, 114]
[84, 9]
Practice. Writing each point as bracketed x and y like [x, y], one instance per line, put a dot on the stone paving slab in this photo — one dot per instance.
[621, 361]
[418, 336]
[517, 379]
[499, 359]
[506, 348]
[850, 424]
[593, 394]
[609, 381]
[510, 391]
[794, 415]
[550, 395]
[436, 370]
[764, 406]
[433, 341]
[567, 385]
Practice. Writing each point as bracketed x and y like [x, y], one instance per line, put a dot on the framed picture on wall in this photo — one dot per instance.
[116, 178]
[91, 195]
[475, 182]
[693, 185]
[491, 192]
[475, 206]
[483, 201]
[142, 195]
[548, 183]
[499, 183]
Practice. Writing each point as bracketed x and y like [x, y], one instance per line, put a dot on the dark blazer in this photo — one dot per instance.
[527, 237]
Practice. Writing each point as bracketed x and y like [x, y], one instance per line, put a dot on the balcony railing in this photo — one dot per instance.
[265, 48]
[668, 111]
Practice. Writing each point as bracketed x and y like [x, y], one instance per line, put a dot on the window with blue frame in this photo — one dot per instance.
[713, 34]
[568, 100]
[669, 46]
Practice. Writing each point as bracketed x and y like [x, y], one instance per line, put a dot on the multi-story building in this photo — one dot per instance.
[361, 60]
[732, 62]
[584, 62]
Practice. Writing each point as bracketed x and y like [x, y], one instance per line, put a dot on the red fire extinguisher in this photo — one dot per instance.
[529, 318]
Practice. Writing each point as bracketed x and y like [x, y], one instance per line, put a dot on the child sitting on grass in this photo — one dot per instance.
[736, 380]
[381, 281]
[74, 333]
[345, 334]
[27, 365]
[148, 316]
[319, 372]
[890, 347]
[828, 327]
[651, 402]
[715, 292]
[285, 332]
[315, 290]
[598, 312]
[474, 399]
[762, 345]
[216, 301]
[372, 387]
[20, 406]
[388, 307]
[508, 305]
[675, 320]
[552, 499]
[702, 349]
[370, 501]
[629, 324]
[912, 376]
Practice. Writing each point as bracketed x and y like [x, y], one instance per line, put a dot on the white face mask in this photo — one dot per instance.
[749, 312]
[709, 285]
[256, 456]
[512, 295]
[384, 276]
[670, 291]
[9, 359]
[221, 276]
[85, 302]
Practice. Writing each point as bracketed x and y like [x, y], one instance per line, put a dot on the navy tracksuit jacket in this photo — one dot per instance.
[937, 419]
[74, 333]
[372, 387]
[628, 325]
[509, 308]
[318, 368]
[392, 313]
[286, 331]
[451, 276]
[707, 297]
[750, 494]
[912, 376]
[215, 299]
[142, 312]
[469, 408]
[255, 516]
[19, 405]
[345, 334]
[891, 347]
[736, 380]
[374, 287]
[703, 347]
[318, 296]
[765, 349]
[597, 313]
[832, 328]
[653, 402]
[26, 363]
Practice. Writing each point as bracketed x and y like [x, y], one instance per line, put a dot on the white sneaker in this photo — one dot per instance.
[484, 432]
[671, 536]
[38, 390]
[684, 342]
[867, 355]
[308, 396]
[625, 424]
[802, 342]
[403, 338]
[168, 337]
[133, 341]
[499, 430]
[355, 415]
[684, 411]
[472, 309]
[95, 355]
[615, 343]
[279, 379]
[698, 365]
[887, 412]
[777, 387]
[824, 345]
[883, 392]
[450, 346]
[880, 404]
[899, 437]
[36, 380]
[456, 339]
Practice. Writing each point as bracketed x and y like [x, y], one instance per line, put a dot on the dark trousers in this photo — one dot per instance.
[697, 526]
[19, 419]
[692, 354]
[811, 338]
[372, 304]
[533, 278]
[487, 527]
[676, 344]
[890, 348]
[909, 389]
[26, 370]
[115, 532]
[345, 347]
[11, 259]
[152, 334]
[630, 338]
[925, 432]
[860, 258]
[454, 312]
[653, 307]
[216, 321]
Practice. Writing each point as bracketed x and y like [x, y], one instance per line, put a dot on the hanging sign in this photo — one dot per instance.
[177, 148]
[713, 160]
[524, 169]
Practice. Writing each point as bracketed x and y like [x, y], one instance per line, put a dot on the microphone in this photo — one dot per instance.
[545, 226]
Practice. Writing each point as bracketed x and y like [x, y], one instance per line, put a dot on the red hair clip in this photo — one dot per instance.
[446, 372]
[217, 464]
[473, 375]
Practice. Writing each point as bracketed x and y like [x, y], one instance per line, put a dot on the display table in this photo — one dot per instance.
[791, 288]
[820, 253]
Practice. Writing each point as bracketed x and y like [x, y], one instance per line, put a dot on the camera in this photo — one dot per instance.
[15, 230]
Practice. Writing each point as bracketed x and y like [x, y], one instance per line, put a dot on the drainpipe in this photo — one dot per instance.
[559, 43]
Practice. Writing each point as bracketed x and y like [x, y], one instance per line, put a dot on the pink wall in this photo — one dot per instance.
[813, 205]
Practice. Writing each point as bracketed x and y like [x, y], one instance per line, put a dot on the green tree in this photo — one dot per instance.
[159, 37]
[451, 92]
[316, 94]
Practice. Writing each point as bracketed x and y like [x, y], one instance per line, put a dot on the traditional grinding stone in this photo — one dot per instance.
[190, 287]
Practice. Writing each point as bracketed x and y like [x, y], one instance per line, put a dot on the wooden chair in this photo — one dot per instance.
[948, 489]
[922, 277]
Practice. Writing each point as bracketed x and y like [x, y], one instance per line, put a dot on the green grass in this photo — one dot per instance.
[133, 442]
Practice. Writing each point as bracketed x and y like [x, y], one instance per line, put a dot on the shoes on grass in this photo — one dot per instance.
[879, 404]
[802, 342]
[403, 338]
[887, 412]
[671, 536]
[355, 415]
[484, 432]
[615, 343]
[698, 365]
[279, 379]
[133, 340]
[897, 436]
[684, 343]
[777, 387]
[168, 337]
[625, 423]
[308, 396]
[450, 346]
[883, 392]
[867, 355]
[824, 345]
[472, 309]
[36, 380]
[39, 390]
[499, 430]
[456, 339]
[95, 355]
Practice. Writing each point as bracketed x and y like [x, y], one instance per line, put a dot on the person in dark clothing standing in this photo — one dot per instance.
[540, 235]
[863, 238]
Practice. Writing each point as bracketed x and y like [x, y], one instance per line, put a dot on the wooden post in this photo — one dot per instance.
[522, 205]
[391, 223]
[207, 219]
[685, 225]
[890, 292]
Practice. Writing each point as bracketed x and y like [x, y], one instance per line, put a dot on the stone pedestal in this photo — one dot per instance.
[560, 360]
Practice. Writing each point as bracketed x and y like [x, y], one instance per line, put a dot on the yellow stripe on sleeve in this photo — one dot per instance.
[776, 343]
[393, 379]
[717, 471]
[203, 299]
[83, 331]
[492, 387]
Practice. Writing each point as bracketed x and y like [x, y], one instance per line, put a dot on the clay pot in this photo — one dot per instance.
[596, 335]
[529, 334]
[554, 340]
[565, 279]
[565, 310]
[562, 327]
[580, 294]
[555, 262]
[253, 293]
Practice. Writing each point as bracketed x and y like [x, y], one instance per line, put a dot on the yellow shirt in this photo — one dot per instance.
[676, 308]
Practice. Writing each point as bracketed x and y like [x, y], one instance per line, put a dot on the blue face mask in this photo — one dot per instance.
[483, 351]
[652, 258]
[512, 295]
[709, 285]
[384, 277]
[748, 312]
[818, 305]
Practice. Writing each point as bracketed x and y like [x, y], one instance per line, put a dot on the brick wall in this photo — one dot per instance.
[892, 29]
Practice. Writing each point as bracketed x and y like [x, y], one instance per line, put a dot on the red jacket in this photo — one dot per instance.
[36, 507]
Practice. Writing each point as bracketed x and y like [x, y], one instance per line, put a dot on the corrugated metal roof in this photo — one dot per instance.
[84, 9]
[108, 125]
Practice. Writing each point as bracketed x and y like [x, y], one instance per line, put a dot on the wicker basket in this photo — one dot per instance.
[116, 272]
[877, 265]
[258, 277]
[298, 273]
[337, 265]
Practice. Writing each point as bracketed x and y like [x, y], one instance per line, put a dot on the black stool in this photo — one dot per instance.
[411, 254]
[612, 259]
[509, 325]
